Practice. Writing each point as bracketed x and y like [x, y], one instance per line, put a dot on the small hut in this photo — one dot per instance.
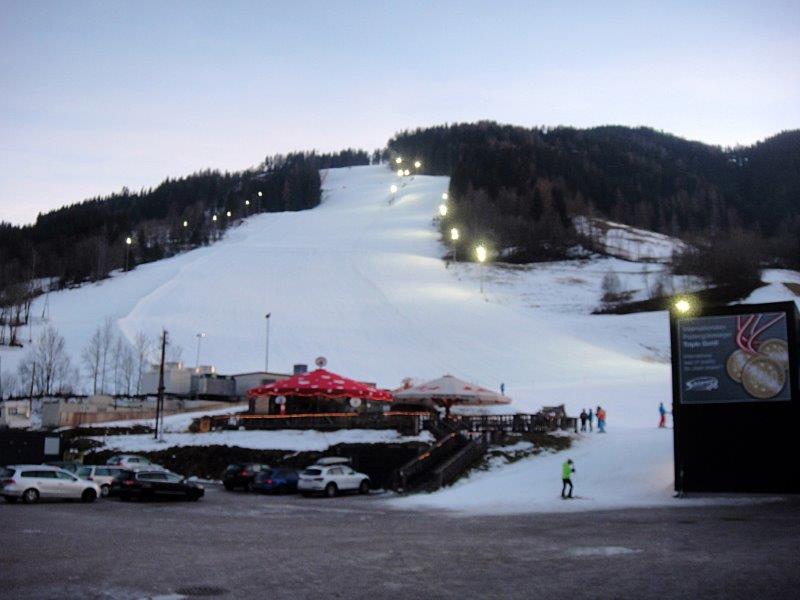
[320, 391]
[446, 392]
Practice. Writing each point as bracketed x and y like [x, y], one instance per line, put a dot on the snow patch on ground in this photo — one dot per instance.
[625, 468]
[286, 439]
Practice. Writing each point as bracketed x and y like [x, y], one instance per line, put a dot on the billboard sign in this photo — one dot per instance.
[733, 358]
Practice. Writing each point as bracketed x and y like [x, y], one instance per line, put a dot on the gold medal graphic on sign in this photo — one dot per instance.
[763, 377]
[736, 363]
[777, 350]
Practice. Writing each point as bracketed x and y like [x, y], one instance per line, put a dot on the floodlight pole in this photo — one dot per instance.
[160, 397]
[266, 349]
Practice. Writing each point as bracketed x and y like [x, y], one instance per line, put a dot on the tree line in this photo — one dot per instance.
[518, 188]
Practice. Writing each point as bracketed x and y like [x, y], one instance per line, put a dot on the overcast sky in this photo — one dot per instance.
[100, 95]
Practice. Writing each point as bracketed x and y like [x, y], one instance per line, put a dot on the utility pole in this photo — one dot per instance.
[266, 353]
[30, 394]
[160, 398]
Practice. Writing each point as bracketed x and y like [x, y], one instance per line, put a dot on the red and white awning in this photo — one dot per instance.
[321, 383]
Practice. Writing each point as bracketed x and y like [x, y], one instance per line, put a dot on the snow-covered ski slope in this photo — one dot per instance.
[361, 281]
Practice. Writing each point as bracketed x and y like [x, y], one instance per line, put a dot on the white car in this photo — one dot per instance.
[30, 483]
[132, 462]
[102, 475]
[331, 479]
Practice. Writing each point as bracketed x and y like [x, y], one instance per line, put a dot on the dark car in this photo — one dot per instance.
[149, 485]
[242, 475]
[279, 481]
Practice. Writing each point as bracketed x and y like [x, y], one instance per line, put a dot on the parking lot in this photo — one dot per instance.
[237, 545]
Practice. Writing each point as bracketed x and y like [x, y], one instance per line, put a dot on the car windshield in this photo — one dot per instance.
[312, 472]
[84, 471]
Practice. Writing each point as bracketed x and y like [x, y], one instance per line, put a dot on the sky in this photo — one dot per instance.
[95, 96]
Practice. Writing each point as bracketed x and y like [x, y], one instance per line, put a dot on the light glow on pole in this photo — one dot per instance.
[480, 254]
[454, 238]
[393, 189]
[228, 214]
[406, 172]
[445, 196]
[398, 160]
[214, 218]
[417, 164]
[186, 223]
[200, 337]
[443, 210]
[400, 172]
[683, 306]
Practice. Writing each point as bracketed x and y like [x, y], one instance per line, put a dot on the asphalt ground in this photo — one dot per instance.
[238, 545]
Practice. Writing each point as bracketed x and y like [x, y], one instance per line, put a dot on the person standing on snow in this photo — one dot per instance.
[601, 420]
[583, 416]
[662, 421]
[567, 469]
[590, 416]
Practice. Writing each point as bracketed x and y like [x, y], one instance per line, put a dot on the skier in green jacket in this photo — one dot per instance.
[567, 469]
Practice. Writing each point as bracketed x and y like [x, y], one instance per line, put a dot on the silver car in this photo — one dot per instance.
[31, 483]
[102, 475]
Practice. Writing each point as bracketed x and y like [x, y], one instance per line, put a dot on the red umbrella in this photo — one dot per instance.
[321, 383]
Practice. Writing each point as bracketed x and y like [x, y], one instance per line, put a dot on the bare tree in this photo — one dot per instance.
[174, 353]
[8, 384]
[127, 369]
[48, 364]
[106, 340]
[117, 350]
[143, 347]
[92, 356]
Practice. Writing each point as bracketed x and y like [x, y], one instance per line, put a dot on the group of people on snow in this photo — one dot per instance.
[588, 417]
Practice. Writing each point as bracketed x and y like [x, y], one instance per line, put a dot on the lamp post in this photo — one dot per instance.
[393, 190]
[480, 254]
[128, 242]
[266, 352]
[260, 194]
[454, 238]
[247, 208]
[200, 337]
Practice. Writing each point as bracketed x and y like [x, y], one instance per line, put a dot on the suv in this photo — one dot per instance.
[280, 481]
[331, 479]
[242, 475]
[30, 483]
[101, 475]
[131, 461]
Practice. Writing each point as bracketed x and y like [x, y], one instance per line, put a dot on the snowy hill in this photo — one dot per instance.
[629, 243]
[361, 281]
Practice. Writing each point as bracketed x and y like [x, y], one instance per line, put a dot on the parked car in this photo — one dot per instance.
[241, 475]
[131, 461]
[102, 475]
[31, 483]
[279, 481]
[330, 480]
[149, 485]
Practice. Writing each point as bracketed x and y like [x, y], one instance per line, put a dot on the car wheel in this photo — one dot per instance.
[104, 490]
[331, 490]
[88, 496]
[364, 487]
[11, 499]
[30, 496]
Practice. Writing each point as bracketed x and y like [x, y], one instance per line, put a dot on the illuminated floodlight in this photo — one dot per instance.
[228, 214]
[454, 233]
[400, 172]
[398, 160]
[260, 194]
[247, 202]
[417, 164]
[445, 196]
[214, 218]
[683, 306]
[480, 253]
[393, 188]
[443, 210]
[128, 241]
[186, 223]
[406, 172]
